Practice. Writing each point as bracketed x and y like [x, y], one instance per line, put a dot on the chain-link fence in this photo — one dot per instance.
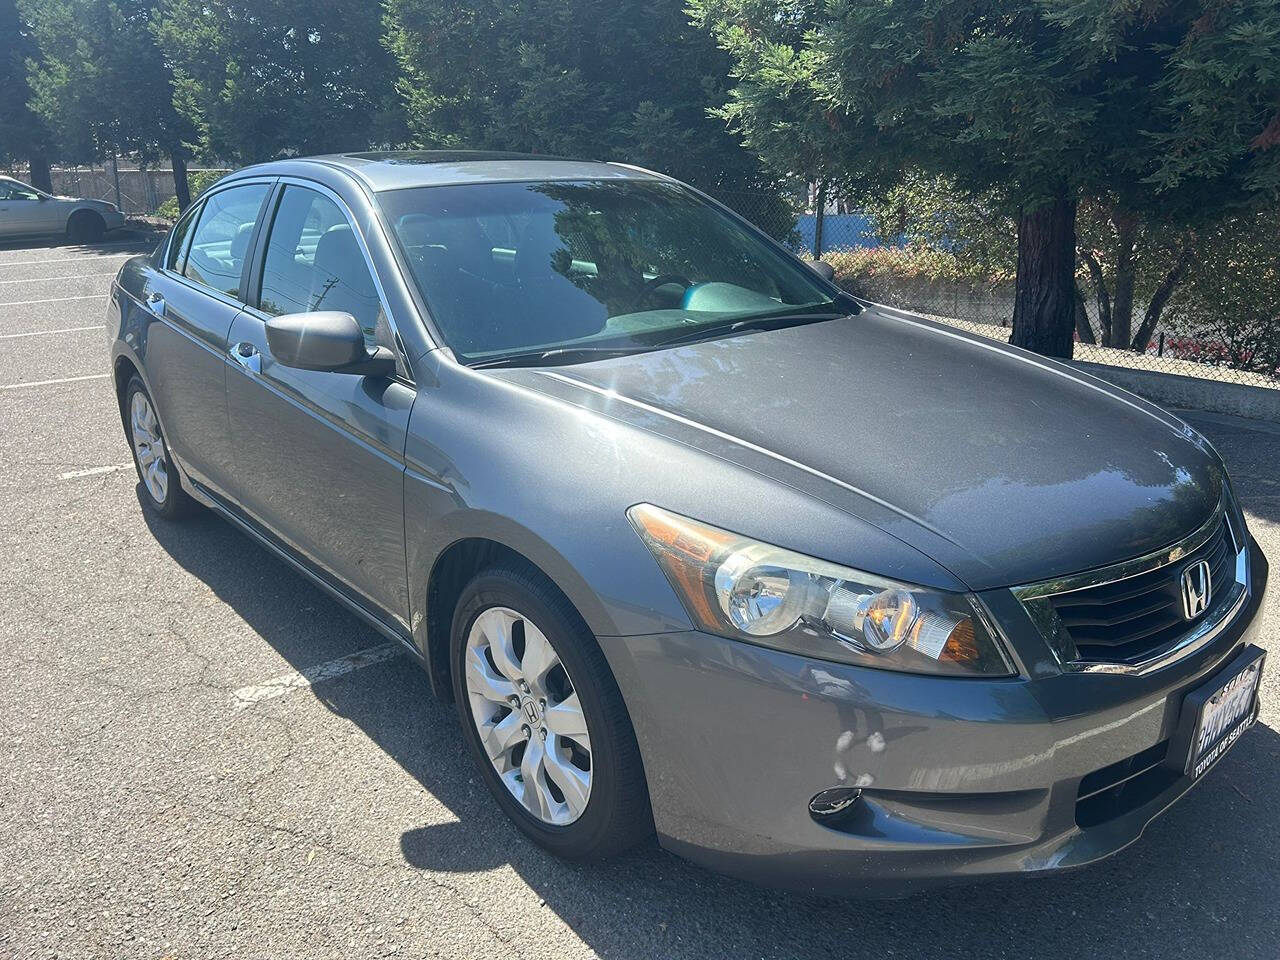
[136, 192]
[1184, 341]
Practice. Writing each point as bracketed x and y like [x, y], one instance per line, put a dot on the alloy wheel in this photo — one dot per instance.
[527, 712]
[148, 445]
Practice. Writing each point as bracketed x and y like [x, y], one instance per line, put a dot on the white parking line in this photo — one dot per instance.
[48, 383]
[301, 679]
[93, 471]
[28, 303]
[74, 276]
[41, 333]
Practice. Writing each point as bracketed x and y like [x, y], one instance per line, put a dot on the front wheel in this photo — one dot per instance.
[544, 718]
[85, 226]
[161, 489]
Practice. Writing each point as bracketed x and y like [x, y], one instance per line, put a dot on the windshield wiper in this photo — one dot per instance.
[767, 322]
[556, 357]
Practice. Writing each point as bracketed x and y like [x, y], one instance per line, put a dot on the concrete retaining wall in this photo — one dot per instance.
[1171, 390]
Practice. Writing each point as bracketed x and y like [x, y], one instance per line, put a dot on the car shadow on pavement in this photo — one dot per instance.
[117, 240]
[1199, 882]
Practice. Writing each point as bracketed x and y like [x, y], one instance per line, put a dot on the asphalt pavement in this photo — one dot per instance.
[204, 756]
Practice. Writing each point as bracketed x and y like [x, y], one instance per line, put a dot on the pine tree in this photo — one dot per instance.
[1169, 107]
[23, 133]
[261, 79]
[625, 80]
[101, 84]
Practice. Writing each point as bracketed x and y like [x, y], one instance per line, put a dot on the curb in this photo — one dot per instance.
[1174, 390]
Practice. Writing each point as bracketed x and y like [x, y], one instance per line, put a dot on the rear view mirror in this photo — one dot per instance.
[327, 340]
[824, 270]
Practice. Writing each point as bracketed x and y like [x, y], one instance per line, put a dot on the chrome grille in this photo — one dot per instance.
[1128, 619]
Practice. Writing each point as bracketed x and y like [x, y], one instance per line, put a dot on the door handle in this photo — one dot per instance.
[247, 356]
[155, 303]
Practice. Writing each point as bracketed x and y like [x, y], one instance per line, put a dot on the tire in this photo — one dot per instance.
[162, 491]
[85, 226]
[616, 814]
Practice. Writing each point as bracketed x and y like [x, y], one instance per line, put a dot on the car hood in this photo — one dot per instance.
[1002, 466]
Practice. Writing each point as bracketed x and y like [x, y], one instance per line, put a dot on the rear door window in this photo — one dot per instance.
[220, 240]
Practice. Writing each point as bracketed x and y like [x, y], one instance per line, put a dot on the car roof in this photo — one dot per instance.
[399, 169]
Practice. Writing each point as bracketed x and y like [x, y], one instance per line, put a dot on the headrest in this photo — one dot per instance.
[337, 246]
[240, 242]
[536, 254]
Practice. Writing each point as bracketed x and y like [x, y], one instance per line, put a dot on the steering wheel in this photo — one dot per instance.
[661, 280]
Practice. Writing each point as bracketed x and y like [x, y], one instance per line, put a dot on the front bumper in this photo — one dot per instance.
[960, 778]
[113, 219]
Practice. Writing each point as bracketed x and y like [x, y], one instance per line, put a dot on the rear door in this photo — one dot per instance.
[320, 456]
[193, 299]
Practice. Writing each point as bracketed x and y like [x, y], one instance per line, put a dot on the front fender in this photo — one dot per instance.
[613, 602]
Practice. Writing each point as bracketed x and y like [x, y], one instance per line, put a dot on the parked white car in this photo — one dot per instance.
[28, 212]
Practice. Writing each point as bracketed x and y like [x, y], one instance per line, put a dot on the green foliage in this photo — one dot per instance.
[974, 230]
[776, 73]
[1170, 106]
[201, 180]
[1204, 135]
[1232, 294]
[23, 133]
[626, 80]
[261, 79]
[99, 82]
[870, 268]
[1167, 109]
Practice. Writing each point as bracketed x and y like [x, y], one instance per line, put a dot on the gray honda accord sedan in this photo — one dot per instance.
[826, 595]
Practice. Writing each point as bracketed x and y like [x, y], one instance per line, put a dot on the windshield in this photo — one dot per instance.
[525, 268]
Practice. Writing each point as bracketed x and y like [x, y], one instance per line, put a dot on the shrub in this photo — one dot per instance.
[869, 267]
[1233, 295]
[200, 181]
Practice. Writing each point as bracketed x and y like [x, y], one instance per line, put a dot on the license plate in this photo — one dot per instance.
[1215, 714]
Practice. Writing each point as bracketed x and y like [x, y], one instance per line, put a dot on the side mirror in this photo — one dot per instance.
[327, 340]
[825, 270]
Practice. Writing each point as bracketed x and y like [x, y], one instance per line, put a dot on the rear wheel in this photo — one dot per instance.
[161, 489]
[544, 718]
[85, 226]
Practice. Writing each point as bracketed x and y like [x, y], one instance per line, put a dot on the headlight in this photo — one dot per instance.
[740, 588]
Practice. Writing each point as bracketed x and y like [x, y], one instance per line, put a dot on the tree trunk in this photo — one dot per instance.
[1084, 332]
[819, 217]
[1101, 293]
[1160, 299]
[40, 177]
[1126, 269]
[1044, 304]
[181, 186]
